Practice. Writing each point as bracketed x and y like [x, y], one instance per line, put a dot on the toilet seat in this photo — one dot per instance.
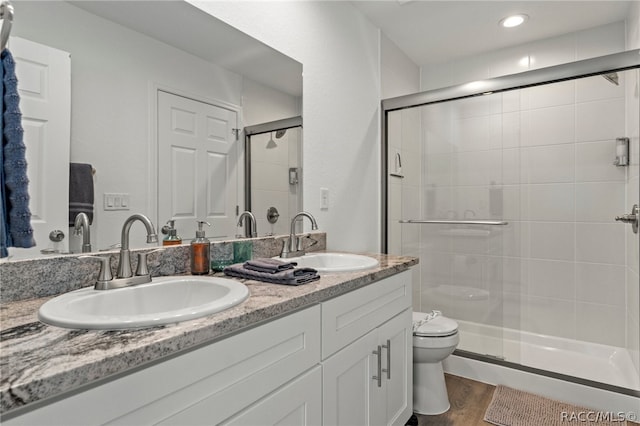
[439, 326]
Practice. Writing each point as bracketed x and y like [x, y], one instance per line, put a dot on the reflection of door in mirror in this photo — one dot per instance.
[44, 85]
[197, 171]
[275, 176]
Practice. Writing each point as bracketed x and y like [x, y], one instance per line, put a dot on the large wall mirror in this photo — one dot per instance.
[137, 72]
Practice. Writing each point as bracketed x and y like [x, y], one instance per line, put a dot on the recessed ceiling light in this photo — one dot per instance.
[513, 20]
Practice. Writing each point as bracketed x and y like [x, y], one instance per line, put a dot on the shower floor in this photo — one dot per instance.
[600, 363]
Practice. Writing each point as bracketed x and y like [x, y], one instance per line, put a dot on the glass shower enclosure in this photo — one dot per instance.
[517, 196]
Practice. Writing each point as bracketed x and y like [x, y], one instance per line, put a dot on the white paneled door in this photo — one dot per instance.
[44, 85]
[197, 165]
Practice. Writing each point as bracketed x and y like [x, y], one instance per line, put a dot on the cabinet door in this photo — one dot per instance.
[396, 338]
[296, 404]
[349, 391]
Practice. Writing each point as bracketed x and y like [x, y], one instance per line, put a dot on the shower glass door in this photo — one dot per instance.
[509, 200]
[446, 207]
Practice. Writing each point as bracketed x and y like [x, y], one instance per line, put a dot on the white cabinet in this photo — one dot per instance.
[368, 380]
[348, 396]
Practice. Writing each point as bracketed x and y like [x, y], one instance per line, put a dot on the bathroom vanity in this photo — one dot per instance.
[336, 351]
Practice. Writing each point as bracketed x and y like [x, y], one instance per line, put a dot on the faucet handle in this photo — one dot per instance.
[105, 274]
[284, 253]
[142, 268]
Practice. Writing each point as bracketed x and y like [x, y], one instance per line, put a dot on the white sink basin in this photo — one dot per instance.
[163, 301]
[335, 262]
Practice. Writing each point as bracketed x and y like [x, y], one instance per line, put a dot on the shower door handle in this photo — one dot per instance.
[633, 218]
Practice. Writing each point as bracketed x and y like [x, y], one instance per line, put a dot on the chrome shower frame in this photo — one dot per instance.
[589, 67]
[603, 65]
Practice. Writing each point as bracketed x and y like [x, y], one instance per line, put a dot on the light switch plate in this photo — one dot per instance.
[116, 201]
[324, 198]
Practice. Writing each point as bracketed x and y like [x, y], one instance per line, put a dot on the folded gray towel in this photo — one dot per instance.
[269, 265]
[296, 276]
[80, 191]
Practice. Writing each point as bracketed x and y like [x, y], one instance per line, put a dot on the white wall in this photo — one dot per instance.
[399, 74]
[112, 68]
[262, 104]
[338, 48]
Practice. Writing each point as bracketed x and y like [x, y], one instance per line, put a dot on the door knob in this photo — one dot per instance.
[631, 218]
[56, 235]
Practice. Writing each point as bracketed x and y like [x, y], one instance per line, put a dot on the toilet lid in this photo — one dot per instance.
[437, 327]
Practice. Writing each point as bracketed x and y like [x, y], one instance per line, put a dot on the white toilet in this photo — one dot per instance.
[435, 337]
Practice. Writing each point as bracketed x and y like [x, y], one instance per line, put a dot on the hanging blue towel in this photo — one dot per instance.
[3, 201]
[16, 215]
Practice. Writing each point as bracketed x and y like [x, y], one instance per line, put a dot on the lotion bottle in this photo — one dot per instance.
[172, 237]
[200, 249]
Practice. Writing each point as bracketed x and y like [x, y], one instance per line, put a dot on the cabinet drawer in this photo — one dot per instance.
[352, 315]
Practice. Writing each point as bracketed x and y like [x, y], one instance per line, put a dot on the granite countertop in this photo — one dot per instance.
[38, 361]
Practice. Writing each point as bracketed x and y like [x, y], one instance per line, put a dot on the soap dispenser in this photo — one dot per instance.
[200, 249]
[171, 233]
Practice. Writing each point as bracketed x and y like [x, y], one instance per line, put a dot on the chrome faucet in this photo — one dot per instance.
[293, 246]
[124, 263]
[252, 230]
[81, 226]
[124, 276]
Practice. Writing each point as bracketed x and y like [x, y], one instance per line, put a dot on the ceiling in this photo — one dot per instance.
[432, 32]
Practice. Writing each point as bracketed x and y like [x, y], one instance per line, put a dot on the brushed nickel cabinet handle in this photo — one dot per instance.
[388, 348]
[378, 377]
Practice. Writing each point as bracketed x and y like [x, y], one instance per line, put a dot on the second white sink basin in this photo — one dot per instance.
[335, 262]
[163, 301]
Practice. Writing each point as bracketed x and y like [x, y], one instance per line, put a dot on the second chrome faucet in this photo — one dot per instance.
[293, 246]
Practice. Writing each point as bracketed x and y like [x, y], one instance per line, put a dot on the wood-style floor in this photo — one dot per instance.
[469, 401]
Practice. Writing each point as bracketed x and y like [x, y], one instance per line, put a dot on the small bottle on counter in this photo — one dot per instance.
[200, 249]
[171, 233]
